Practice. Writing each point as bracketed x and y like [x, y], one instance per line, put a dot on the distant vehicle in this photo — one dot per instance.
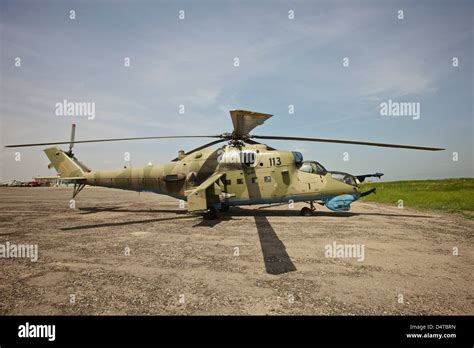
[33, 184]
[12, 183]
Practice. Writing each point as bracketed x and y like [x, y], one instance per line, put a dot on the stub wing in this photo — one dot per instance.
[77, 179]
[361, 178]
[198, 197]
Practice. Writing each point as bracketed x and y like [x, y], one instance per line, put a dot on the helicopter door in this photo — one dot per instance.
[251, 181]
[267, 184]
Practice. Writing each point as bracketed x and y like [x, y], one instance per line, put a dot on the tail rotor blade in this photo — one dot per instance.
[73, 136]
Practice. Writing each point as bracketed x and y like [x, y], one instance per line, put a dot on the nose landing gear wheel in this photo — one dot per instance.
[305, 211]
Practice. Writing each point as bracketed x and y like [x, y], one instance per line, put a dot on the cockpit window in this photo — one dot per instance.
[344, 177]
[312, 167]
[320, 169]
[297, 156]
[306, 167]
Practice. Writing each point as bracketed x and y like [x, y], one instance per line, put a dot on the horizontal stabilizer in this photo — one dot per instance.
[52, 178]
[74, 178]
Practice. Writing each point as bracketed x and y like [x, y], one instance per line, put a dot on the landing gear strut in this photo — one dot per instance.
[305, 211]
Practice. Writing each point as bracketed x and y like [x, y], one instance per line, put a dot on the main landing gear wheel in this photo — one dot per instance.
[211, 214]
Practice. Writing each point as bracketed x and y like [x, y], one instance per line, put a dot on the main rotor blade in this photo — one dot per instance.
[201, 147]
[115, 139]
[253, 142]
[347, 142]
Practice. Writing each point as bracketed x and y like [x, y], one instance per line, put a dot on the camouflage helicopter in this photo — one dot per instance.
[243, 172]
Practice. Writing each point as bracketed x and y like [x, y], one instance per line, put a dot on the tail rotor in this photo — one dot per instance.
[71, 144]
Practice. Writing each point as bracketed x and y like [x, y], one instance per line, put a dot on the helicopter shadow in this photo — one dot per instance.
[123, 223]
[94, 210]
[212, 223]
[350, 214]
[237, 211]
[276, 259]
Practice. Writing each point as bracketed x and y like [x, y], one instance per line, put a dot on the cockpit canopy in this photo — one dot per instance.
[312, 167]
[344, 177]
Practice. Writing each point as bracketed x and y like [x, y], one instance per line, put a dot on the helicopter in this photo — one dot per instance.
[242, 172]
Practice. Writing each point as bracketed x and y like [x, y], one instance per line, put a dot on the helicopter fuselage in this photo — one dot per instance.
[251, 174]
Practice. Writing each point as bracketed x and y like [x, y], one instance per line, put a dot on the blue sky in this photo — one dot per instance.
[282, 62]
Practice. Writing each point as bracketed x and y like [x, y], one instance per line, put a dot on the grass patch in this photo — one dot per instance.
[450, 195]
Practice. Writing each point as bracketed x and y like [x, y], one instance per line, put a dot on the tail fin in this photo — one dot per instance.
[64, 165]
